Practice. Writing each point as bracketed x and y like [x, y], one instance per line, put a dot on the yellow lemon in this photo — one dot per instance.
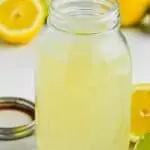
[140, 111]
[20, 20]
[131, 11]
[46, 6]
[48, 2]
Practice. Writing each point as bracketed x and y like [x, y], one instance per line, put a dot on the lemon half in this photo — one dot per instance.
[20, 20]
[140, 111]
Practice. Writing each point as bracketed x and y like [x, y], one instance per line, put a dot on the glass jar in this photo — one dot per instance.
[83, 79]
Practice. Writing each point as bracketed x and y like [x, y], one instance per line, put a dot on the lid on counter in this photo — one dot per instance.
[17, 118]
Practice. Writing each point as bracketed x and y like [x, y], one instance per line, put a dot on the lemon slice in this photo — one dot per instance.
[140, 111]
[20, 20]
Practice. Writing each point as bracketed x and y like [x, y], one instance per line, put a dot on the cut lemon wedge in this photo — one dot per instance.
[20, 20]
[140, 111]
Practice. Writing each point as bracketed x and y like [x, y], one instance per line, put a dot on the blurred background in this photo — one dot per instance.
[17, 46]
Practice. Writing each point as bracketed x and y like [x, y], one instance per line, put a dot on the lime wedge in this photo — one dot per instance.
[143, 143]
[133, 138]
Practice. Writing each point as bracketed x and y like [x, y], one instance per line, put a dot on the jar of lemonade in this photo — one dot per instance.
[83, 79]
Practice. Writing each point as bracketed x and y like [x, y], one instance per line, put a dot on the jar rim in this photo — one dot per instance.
[75, 15]
[112, 8]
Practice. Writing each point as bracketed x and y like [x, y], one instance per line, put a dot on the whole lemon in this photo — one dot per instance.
[131, 11]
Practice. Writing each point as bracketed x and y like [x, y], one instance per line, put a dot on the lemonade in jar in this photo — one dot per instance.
[83, 79]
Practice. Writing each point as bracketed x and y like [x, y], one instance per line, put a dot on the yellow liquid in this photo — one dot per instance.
[82, 97]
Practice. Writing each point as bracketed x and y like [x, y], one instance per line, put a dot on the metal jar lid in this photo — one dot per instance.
[11, 109]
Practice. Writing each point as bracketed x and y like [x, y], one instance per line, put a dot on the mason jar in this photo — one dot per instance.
[83, 78]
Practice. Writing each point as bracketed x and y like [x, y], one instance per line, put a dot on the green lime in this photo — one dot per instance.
[45, 5]
[48, 2]
[143, 143]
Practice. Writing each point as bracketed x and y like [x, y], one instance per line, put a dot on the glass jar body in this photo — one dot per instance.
[83, 84]
[83, 92]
